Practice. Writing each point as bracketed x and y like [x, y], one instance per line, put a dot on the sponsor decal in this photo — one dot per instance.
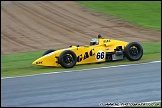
[107, 48]
[85, 55]
[105, 41]
[39, 62]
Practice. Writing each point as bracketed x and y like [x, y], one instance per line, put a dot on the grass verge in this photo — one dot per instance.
[20, 64]
[141, 13]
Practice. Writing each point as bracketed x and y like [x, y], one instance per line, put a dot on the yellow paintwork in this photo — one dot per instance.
[104, 45]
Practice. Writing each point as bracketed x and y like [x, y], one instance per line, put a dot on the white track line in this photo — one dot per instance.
[81, 70]
[152, 101]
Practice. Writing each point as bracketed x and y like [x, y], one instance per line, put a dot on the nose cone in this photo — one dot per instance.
[45, 61]
[35, 62]
[38, 62]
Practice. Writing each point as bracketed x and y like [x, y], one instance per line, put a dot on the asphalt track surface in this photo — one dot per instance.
[131, 83]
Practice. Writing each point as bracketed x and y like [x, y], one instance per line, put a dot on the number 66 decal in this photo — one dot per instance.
[100, 55]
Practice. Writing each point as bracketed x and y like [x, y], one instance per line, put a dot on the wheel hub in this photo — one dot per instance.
[134, 51]
[68, 59]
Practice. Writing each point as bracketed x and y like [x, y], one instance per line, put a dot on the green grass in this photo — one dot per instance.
[141, 13]
[20, 64]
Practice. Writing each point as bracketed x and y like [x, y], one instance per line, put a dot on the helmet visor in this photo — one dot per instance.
[92, 43]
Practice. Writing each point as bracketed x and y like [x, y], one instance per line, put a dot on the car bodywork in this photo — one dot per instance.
[105, 50]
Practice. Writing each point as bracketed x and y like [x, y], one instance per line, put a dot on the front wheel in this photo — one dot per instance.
[133, 51]
[48, 51]
[67, 59]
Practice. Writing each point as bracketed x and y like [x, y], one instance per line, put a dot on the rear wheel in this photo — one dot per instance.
[48, 51]
[67, 59]
[133, 51]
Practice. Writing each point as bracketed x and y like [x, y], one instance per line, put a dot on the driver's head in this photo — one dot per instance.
[94, 41]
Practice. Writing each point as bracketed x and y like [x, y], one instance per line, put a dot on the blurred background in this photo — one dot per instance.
[39, 25]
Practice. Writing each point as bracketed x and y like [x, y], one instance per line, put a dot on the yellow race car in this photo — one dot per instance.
[99, 50]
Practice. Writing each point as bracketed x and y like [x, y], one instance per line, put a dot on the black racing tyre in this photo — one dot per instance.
[67, 59]
[133, 51]
[48, 51]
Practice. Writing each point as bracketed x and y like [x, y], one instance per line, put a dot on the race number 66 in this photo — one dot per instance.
[100, 55]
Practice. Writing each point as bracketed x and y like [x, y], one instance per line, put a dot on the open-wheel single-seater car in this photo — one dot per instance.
[99, 50]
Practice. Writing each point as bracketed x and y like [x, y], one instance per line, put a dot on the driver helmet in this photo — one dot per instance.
[94, 41]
